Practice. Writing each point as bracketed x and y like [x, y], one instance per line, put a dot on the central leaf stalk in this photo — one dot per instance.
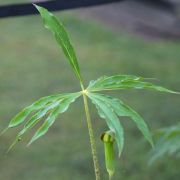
[91, 134]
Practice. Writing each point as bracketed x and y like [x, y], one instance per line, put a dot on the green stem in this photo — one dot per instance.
[91, 136]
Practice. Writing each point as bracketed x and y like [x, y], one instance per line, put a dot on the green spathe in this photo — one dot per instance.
[108, 139]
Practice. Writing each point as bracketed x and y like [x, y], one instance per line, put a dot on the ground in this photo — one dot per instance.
[143, 19]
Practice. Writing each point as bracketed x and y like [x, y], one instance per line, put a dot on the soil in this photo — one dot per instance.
[142, 19]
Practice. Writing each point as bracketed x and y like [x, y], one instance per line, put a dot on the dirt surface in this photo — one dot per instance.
[135, 17]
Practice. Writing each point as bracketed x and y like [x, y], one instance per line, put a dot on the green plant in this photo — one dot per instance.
[167, 143]
[109, 108]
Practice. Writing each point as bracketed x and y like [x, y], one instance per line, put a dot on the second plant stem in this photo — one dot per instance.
[91, 136]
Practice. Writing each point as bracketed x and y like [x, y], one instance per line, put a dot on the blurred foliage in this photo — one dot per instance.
[31, 66]
[168, 143]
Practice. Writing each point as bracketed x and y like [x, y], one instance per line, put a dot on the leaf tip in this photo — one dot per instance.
[151, 143]
[11, 125]
[174, 92]
[4, 131]
[31, 141]
[119, 154]
[36, 6]
[12, 145]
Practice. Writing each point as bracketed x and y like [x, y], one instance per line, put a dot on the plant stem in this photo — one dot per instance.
[110, 177]
[91, 136]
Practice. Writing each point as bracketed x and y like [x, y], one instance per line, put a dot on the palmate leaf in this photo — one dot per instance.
[109, 108]
[62, 38]
[61, 108]
[123, 82]
[51, 106]
[37, 117]
[168, 143]
[40, 114]
[21, 116]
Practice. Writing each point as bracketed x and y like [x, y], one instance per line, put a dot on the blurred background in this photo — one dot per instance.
[129, 37]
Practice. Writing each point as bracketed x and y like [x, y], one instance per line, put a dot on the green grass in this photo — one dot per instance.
[31, 66]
